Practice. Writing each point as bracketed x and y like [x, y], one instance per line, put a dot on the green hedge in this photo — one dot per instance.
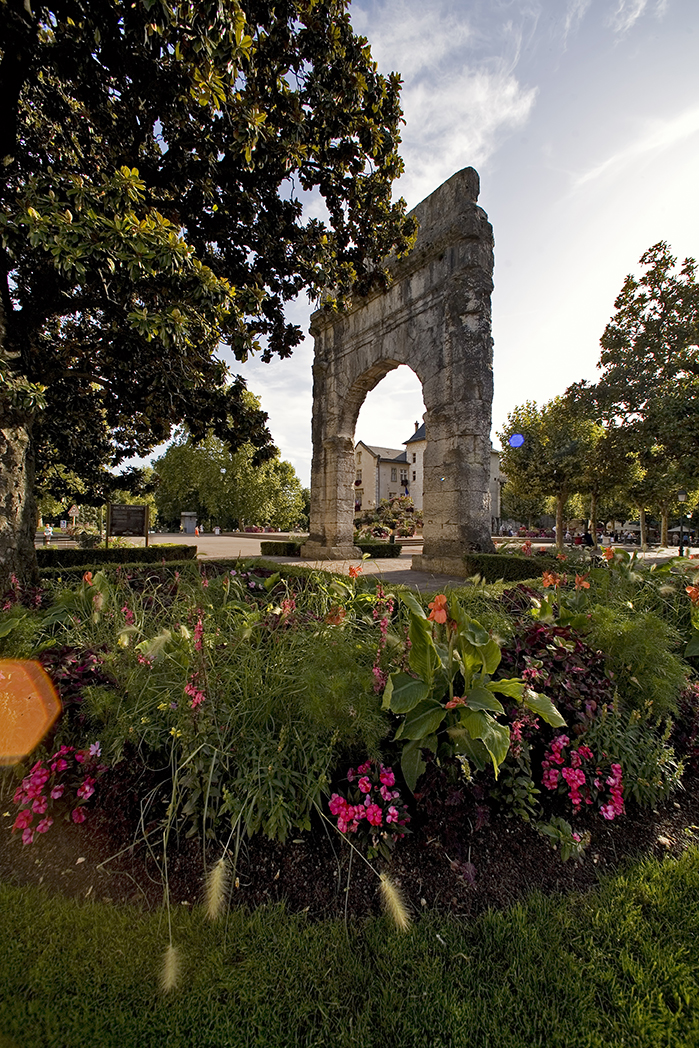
[55, 557]
[508, 566]
[280, 549]
[380, 549]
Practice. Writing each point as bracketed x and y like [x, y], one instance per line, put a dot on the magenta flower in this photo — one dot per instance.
[57, 792]
[27, 836]
[24, 819]
[374, 815]
[40, 805]
[364, 785]
[78, 815]
[87, 789]
[43, 826]
[387, 777]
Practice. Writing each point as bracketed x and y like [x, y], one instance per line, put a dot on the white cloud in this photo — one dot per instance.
[575, 13]
[458, 99]
[656, 139]
[628, 13]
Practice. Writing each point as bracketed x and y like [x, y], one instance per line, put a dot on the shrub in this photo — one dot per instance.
[54, 557]
[640, 652]
[379, 549]
[280, 549]
[506, 566]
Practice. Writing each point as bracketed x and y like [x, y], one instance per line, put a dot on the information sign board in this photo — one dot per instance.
[127, 520]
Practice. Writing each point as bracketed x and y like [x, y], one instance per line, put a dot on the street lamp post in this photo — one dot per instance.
[681, 498]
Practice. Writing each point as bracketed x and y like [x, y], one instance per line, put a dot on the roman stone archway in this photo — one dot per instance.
[435, 317]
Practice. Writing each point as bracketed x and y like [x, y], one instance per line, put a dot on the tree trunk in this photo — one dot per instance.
[642, 522]
[561, 500]
[593, 514]
[664, 520]
[17, 506]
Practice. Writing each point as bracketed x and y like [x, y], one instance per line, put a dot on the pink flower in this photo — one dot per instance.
[387, 777]
[23, 819]
[27, 836]
[57, 792]
[87, 789]
[585, 752]
[392, 814]
[59, 765]
[364, 785]
[374, 815]
[607, 810]
[363, 769]
[95, 750]
[40, 805]
[78, 815]
[128, 614]
[43, 826]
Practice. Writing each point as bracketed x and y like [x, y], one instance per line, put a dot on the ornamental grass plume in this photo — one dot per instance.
[394, 903]
[170, 971]
[216, 889]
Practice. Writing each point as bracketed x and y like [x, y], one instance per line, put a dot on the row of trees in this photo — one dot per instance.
[154, 156]
[630, 442]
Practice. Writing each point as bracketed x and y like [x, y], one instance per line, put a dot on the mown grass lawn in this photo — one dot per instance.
[618, 967]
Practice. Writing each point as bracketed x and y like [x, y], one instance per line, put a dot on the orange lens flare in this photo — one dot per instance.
[29, 706]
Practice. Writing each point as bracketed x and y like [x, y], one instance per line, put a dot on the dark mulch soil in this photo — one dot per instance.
[497, 864]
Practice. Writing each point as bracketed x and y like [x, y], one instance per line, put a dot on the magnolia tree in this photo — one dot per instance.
[154, 156]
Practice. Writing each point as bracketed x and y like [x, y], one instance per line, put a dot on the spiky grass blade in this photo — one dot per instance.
[217, 889]
[170, 971]
[394, 903]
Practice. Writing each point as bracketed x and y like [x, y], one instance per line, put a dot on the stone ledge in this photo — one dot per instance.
[314, 551]
[440, 565]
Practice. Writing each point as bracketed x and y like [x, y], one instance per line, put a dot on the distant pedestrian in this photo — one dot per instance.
[196, 531]
[48, 534]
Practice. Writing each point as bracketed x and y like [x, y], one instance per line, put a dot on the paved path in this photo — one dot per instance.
[396, 571]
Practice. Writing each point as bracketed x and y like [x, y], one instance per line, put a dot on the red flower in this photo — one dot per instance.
[581, 582]
[335, 616]
[354, 572]
[693, 592]
[550, 578]
[87, 577]
[439, 609]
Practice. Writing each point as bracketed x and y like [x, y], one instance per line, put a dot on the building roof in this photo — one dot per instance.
[419, 434]
[386, 454]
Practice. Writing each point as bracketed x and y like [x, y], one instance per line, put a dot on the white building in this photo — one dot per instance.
[383, 473]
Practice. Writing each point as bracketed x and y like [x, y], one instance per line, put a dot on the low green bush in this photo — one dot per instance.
[280, 549]
[55, 557]
[507, 566]
[379, 549]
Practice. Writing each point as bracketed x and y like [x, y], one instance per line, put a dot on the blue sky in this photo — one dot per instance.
[582, 119]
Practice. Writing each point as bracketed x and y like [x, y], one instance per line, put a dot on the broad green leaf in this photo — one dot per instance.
[472, 749]
[543, 707]
[495, 737]
[403, 693]
[423, 658]
[411, 763]
[491, 656]
[690, 652]
[480, 698]
[421, 721]
[512, 687]
[476, 634]
[9, 624]
[411, 602]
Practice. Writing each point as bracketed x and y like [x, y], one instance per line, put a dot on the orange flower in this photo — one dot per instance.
[560, 556]
[581, 582]
[439, 608]
[608, 553]
[87, 577]
[456, 701]
[550, 578]
[693, 592]
[353, 572]
[335, 616]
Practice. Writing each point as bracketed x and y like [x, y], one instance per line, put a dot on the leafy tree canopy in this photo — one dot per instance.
[224, 487]
[153, 157]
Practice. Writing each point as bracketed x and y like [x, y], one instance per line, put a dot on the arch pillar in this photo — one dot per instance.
[434, 317]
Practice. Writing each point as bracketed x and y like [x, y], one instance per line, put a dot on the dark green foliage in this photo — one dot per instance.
[55, 557]
[379, 549]
[492, 567]
[641, 653]
[269, 548]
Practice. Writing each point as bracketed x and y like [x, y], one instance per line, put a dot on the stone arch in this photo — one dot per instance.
[435, 317]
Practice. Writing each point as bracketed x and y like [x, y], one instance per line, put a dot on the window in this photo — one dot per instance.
[359, 476]
[359, 456]
[394, 475]
[414, 475]
[404, 476]
[414, 460]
